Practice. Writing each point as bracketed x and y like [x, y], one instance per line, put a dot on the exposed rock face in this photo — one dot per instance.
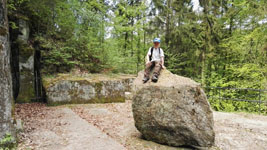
[173, 111]
[87, 89]
[26, 64]
[5, 75]
[24, 30]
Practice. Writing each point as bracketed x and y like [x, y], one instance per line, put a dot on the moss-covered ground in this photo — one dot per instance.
[50, 80]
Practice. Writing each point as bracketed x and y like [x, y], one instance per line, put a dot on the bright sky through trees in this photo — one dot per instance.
[196, 5]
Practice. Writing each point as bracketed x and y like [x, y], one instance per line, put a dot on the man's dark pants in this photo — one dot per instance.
[150, 65]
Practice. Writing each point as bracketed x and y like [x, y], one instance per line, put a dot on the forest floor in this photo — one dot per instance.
[111, 126]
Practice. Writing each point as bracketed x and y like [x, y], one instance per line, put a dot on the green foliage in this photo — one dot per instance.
[233, 99]
[223, 44]
[233, 106]
[7, 143]
[76, 34]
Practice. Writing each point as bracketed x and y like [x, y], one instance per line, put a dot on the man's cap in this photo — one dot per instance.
[156, 40]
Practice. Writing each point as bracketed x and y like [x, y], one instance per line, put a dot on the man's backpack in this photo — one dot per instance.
[151, 52]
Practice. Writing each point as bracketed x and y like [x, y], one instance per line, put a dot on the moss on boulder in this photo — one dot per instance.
[89, 88]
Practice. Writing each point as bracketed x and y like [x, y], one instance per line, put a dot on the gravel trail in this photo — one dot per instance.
[61, 129]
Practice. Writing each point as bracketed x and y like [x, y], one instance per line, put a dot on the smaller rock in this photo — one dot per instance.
[18, 125]
[90, 88]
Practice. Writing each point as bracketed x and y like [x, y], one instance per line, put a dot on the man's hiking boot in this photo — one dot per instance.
[154, 79]
[145, 79]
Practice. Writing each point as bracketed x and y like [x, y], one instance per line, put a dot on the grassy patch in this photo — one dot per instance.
[8, 142]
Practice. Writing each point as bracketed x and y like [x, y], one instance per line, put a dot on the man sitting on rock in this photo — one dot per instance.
[154, 59]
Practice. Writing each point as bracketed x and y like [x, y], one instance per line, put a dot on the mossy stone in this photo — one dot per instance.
[3, 31]
[25, 50]
[89, 88]
[26, 93]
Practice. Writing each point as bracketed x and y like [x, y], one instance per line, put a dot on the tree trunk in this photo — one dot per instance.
[206, 49]
[5, 75]
[125, 43]
[167, 35]
[203, 69]
[144, 46]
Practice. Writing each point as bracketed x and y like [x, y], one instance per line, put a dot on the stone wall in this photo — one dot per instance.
[87, 89]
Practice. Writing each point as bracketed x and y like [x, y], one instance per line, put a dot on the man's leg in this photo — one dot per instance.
[147, 71]
[157, 70]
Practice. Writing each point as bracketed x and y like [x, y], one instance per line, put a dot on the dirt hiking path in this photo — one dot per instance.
[111, 126]
[240, 131]
[65, 130]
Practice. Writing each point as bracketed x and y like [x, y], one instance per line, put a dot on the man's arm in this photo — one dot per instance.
[162, 59]
[148, 55]
[162, 62]
[147, 58]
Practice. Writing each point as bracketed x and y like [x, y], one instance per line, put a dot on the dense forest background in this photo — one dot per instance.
[222, 43]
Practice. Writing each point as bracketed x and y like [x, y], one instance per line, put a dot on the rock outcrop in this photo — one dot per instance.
[6, 123]
[173, 111]
[87, 88]
[26, 65]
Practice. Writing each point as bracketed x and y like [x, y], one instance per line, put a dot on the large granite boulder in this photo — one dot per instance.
[89, 88]
[173, 111]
